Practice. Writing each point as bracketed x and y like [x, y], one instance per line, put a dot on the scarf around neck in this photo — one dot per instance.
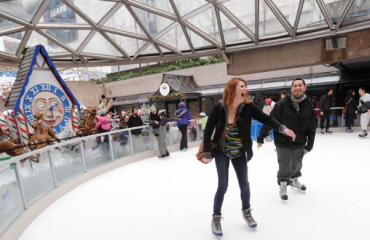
[297, 101]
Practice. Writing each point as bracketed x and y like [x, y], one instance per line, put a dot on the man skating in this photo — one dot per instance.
[296, 113]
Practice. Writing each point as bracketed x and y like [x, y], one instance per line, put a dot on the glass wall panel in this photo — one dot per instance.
[121, 145]
[175, 38]
[96, 151]
[95, 10]
[127, 24]
[163, 5]
[268, 23]
[4, 23]
[359, 11]
[50, 46]
[207, 22]
[232, 33]
[197, 41]
[335, 8]
[186, 6]
[67, 161]
[58, 12]
[129, 45]
[23, 9]
[311, 16]
[11, 203]
[71, 38]
[140, 141]
[288, 8]
[244, 11]
[36, 177]
[153, 23]
[10, 43]
[105, 48]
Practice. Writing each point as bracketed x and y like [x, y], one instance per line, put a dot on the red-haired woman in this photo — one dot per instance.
[232, 118]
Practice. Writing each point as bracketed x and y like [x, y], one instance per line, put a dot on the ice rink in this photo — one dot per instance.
[173, 199]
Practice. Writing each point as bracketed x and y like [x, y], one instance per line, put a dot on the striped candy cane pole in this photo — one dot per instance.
[2, 97]
[4, 120]
[75, 119]
[7, 118]
[23, 129]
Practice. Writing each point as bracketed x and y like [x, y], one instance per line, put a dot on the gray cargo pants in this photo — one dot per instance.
[290, 163]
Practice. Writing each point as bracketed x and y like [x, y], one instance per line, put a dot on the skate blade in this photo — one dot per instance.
[284, 201]
[217, 235]
[297, 190]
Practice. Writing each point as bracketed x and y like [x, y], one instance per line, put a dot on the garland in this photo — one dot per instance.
[169, 96]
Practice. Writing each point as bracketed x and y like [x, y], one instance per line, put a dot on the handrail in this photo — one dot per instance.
[4, 165]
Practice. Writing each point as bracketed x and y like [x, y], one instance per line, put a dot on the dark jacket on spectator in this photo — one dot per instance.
[326, 102]
[152, 118]
[352, 105]
[135, 121]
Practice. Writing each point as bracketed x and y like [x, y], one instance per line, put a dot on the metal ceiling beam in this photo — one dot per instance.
[153, 10]
[220, 29]
[344, 14]
[257, 22]
[56, 41]
[237, 22]
[125, 34]
[144, 29]
[15, 19]
[179, 19]
[172, 49]
[63, 26]
[275, 10]
[326, 14]
[111, 41]
[197, 11]
[298, 17]
[203, 35]
[11, 30]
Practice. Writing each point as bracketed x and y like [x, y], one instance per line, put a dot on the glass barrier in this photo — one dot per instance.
[121, 144]
[11, 203]
[36, 177]
[67, 162]
[96, 151]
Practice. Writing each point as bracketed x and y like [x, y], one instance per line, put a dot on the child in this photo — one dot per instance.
[163, 151]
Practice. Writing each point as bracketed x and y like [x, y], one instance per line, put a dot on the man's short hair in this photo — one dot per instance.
[299, 79]
[362, 88]
[284, 92]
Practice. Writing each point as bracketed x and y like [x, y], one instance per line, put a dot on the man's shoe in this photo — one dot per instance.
[349, 130]
[296, 185]
[328, 131]
[363, 134]
[283, 191]
[322, 131]
[161, 156]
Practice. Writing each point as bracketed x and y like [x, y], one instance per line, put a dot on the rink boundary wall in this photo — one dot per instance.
[32, 212]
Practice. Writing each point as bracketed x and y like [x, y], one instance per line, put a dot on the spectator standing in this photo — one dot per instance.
[267, 108]
[184, 115]
[351, 104]
[154, 120]
[202, 120]
[162, 146]
[365, 116]
[326, 102]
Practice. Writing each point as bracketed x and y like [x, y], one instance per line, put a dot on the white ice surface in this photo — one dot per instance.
[173, 199]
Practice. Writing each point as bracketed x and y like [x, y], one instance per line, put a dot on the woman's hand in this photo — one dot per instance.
[290, 133]
[206, 160]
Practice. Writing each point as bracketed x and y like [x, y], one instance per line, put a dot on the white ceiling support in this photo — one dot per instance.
[280, 17]
[220, 29]
[344, 14]
[297, 18]
[180, 21]
[257, 22]
[152, 10]
[326, 14]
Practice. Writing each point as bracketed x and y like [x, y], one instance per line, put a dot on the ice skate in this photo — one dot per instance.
[363, 134]
[349, 130]
[296, 185]
[248, 218]
[328, 131]
[162, 157]
[322, 131]
[167, 155]
[283, 191]
[216, 226]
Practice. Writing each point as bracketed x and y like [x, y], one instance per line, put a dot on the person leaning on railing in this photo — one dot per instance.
[365, 115]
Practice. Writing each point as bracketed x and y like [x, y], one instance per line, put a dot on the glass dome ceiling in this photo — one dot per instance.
[117, 32]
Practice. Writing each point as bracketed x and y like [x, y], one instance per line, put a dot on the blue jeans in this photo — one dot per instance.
[241, 170]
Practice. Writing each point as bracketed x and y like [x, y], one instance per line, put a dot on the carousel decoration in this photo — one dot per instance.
[8, 144]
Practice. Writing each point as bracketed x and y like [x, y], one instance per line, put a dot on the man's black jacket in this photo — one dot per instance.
[326, 102]
[303, 124]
